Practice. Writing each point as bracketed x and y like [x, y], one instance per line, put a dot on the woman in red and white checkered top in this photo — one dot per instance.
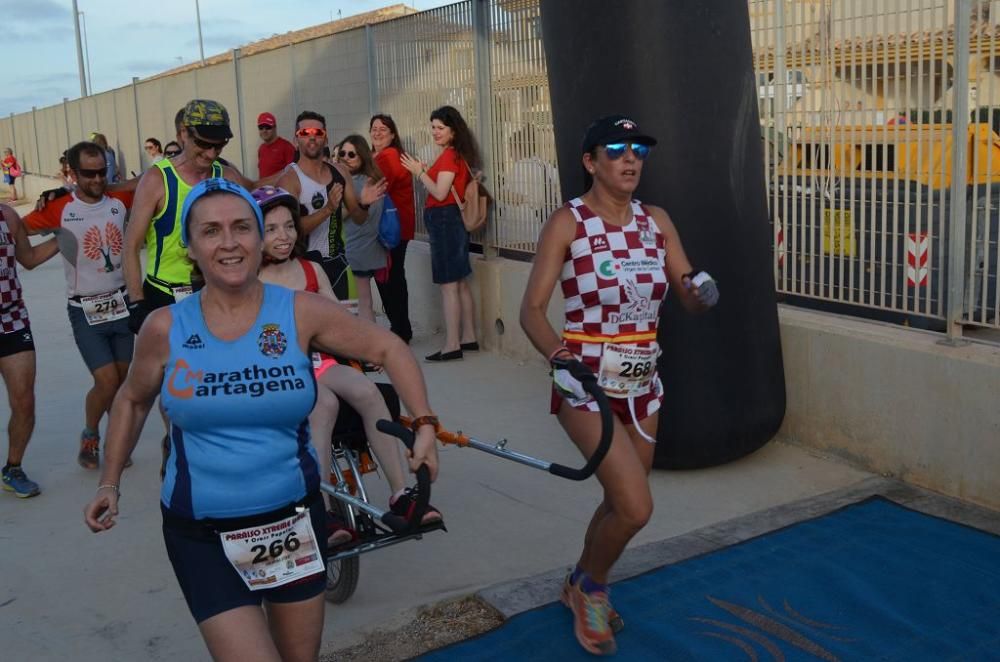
[615, 259]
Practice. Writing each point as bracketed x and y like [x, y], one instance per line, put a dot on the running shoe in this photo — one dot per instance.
[337, 531]
[404, 504]
[614, 618]
[590, 621]
[15, 480]
[89, 456]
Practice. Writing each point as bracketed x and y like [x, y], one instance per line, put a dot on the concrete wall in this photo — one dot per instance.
[497, 286]
[894, 401]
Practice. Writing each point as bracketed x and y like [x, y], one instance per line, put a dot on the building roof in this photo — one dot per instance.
[873, 48]
[314, 32]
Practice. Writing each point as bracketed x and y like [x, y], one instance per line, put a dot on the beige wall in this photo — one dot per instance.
[895, 401]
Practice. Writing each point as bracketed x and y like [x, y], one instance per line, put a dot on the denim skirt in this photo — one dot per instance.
[449, 244]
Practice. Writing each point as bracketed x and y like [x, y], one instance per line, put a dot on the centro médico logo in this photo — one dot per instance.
[608, 268]
[629, 266]
[186, 383]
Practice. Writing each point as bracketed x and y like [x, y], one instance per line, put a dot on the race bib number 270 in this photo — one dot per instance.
[102, 308]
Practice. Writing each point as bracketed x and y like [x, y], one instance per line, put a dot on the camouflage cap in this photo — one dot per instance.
[209, 118]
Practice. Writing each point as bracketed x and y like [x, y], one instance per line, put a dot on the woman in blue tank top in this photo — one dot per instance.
[242, 519]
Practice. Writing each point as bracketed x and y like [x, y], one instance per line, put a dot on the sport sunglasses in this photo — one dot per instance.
[311, 132]
[204, 144]
[616, 150]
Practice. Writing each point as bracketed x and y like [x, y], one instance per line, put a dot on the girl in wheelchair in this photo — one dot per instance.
[340, 386]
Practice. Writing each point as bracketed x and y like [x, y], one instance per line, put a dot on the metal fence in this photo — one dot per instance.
[879, 123]
[865, 105]
[496, 76]
[482, 56]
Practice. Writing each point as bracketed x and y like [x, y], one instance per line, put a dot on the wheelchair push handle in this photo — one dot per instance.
[499, 449]
[395, 522]
[589, 382]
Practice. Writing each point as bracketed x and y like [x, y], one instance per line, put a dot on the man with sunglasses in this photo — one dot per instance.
[159, 198]
[324, 190]
[275, 153]
[89, 226]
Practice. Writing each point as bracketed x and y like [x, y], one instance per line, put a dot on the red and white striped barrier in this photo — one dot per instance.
[917, 254]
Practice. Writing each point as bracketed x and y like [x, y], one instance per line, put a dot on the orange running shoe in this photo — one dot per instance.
[89, 456]
[615, 620]
[590, 621]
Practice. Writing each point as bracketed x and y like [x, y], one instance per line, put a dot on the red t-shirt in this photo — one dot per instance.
[9, 163]
[274, 156]
[400, 189]
[449, 161]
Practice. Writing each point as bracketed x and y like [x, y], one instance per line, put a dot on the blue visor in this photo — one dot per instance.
[211, 185]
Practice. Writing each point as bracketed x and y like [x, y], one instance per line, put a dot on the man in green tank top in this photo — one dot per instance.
[155, 217]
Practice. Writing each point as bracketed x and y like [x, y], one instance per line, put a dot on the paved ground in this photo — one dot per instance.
[68, 593]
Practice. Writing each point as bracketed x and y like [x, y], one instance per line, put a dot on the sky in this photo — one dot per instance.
[129, 38]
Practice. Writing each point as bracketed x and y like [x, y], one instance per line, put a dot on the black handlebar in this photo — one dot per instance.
[399, 524]
[589, 383]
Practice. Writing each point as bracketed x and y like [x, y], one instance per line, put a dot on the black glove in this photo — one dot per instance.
[50, 195]
[138, 311]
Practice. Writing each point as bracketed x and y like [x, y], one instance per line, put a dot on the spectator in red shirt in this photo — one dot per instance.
[275, 153]
[388, 149]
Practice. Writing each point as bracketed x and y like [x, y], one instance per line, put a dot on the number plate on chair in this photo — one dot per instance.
[627, 370]
[274, 554]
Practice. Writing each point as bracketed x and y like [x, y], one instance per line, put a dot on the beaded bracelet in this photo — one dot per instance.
[110, 486]
[425, 420]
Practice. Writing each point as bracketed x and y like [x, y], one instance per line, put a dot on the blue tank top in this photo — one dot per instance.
[238, 414]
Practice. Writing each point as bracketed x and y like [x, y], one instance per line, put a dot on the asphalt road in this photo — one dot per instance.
[69, 594]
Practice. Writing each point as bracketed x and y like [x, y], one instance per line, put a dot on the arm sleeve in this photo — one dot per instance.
[49, 218]
[388, 162]
[125, 196]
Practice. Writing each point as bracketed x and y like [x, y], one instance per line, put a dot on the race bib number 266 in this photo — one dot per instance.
[274, 554]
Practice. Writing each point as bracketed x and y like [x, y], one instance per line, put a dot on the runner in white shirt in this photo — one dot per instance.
[89, 226]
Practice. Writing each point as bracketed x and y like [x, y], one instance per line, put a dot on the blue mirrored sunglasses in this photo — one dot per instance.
[616, 150]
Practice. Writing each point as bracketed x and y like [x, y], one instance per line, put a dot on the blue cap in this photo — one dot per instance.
[217, 184]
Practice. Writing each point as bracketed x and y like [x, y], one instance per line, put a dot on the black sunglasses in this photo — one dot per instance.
[204, 144]
[170, 153]
[344, 154]
[264, 127]
[91, 173]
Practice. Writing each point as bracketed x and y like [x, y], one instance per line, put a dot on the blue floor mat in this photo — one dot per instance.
[872, 581]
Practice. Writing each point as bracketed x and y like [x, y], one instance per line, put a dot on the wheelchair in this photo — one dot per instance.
[376, 528]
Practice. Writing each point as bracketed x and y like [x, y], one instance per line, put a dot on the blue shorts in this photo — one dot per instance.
[208, 580]
[101, 344]
[7, 179]
[449, 244]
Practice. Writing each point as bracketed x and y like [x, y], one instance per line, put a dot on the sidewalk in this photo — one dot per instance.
[70, 594]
